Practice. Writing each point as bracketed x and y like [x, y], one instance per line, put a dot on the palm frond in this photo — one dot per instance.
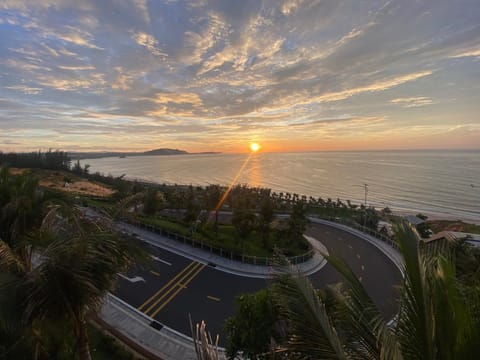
[414, 327]
[9, 261]
[367, 333]
[311, 330]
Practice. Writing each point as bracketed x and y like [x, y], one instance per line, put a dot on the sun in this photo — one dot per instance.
[254, 147]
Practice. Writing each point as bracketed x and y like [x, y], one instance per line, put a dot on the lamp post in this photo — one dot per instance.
[365, 185]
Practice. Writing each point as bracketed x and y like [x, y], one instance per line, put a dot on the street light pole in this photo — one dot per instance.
[365, 185]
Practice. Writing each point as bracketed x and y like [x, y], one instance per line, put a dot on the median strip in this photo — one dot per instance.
[181, 286]
[141, 307]
[167, 293]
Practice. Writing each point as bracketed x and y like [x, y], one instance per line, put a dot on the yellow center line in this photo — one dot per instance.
[178, 290]
[173, 286]
[213, 298]
[166, 285]
[154, 273]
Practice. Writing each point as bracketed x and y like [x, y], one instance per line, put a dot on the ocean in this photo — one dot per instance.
[440, 184]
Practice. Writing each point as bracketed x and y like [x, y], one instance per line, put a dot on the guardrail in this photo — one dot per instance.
[366, 230]
[255, 260]
[232, 255]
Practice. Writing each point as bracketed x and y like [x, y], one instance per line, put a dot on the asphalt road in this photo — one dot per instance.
[175, 286]
[373, 268]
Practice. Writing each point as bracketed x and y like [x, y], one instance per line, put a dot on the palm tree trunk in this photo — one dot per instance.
[82, 342]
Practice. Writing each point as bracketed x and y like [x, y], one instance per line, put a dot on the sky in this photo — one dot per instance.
[201, 75]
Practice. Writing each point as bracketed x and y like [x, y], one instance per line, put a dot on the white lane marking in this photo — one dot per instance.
[358, 256]
[363, 268]
[162, 261]
[350, 247]
[132, 280]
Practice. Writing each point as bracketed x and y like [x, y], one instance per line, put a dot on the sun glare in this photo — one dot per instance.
[254, 147]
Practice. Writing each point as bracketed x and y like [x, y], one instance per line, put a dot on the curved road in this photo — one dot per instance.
[172, 286]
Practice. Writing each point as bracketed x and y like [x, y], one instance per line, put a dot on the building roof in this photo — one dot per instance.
[414, 220]
[473, 239]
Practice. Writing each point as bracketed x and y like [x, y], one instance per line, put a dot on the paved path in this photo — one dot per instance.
[170, 344]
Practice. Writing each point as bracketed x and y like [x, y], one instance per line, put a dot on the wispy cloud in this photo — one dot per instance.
[412, 101]
[149, 42]
[467, 53]
[28, 90]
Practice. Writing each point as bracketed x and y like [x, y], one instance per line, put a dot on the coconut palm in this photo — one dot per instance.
[75, 273]
[434, 321]
[23, 206]
[77, 261]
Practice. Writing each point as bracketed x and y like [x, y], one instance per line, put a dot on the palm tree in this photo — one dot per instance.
[434, 320]
[77, 264]
[76, 271]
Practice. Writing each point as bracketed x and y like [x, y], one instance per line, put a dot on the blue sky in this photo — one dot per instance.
[215, 75]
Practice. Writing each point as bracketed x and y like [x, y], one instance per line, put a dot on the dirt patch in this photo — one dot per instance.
[80, 186]
[447, 225]
[17, 171]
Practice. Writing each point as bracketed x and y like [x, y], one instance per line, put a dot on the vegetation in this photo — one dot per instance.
[254, 325]
[437, 318]
[228, 238]
[53, 160]
[56, 265]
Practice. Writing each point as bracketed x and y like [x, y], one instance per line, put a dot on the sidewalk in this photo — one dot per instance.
[165, 343]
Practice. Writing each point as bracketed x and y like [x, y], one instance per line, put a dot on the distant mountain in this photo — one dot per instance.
[165, 152]
[97, 155]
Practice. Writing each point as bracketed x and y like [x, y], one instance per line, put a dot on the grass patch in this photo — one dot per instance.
[229, 240]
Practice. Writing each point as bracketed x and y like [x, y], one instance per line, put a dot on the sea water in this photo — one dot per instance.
[443, 184]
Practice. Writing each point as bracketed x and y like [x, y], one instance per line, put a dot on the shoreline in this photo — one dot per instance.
[436, 216]
[403, 212]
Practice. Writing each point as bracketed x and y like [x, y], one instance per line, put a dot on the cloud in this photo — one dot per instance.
[197, 44]
[290, 6]
[412, 101]
[76, 68]
[142, 7]
[28, 90]
[70, 34]
[216, 70]
[94, 82]
[178, 98]
[149, 42]
[351, 120]
[376, 86]
[467, 53]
